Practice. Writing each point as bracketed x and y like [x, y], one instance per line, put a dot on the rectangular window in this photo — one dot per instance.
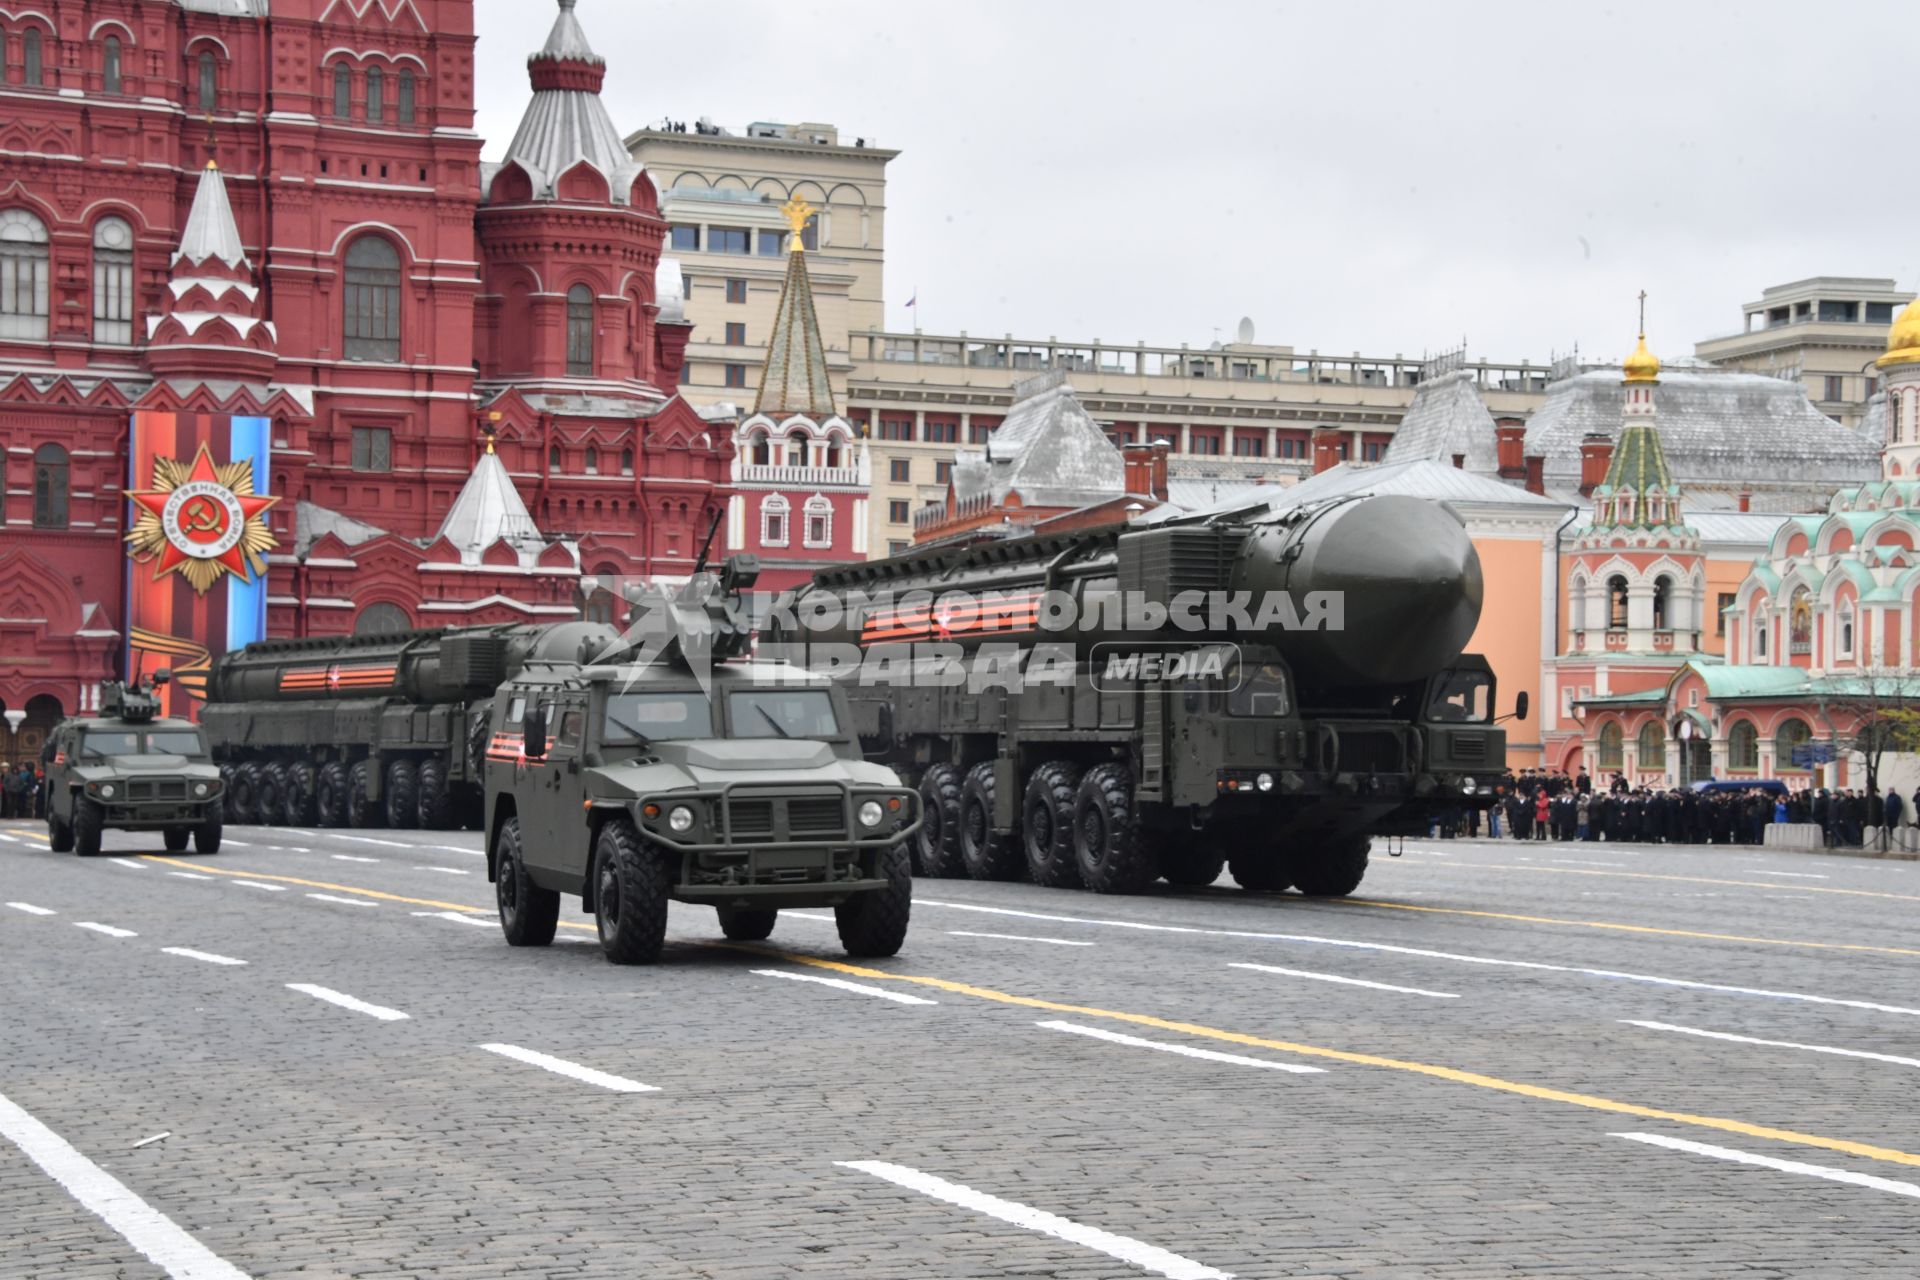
[1843, 312]
[686, 374]
[736, 375]
[342, 91]
[209, 83]
[1879, 313]
[977, 434]
[942, 472]
[1169, 438]
[771, 243]
[943, 432]
[1249, 446]
[897, 548]
[1720, 614]
[1203, 443]
[372, 449]
[112, 296]
[736, 291]
[736, 334]
[900, 470]
[819, 531]
[896, 428]
[1836, 387]
[898, 512]
[376, 95]
[686, 239]
[1370, 452]
[726, 240]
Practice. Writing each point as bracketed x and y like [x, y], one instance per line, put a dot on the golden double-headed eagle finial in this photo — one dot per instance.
[798, 214]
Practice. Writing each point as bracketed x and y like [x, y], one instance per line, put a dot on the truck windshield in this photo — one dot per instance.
[783, 713]
[98, 744]
[657, 717]
[1461, 697]
[1262, 691]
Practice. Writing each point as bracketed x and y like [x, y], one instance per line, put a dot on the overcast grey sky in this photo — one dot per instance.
[1380, 177]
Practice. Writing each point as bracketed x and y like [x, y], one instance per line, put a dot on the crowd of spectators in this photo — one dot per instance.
[23, 791]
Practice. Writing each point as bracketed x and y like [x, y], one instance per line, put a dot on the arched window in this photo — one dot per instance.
[1743, 746]
[553, 458]
[1662, 588]
[50, 487]
[407, 105]
[833, 449]
[23, 275]
[342, 91]
[760, 449]
[1617, 603]
[626, 462]
[773, 520]
[580, 332]
[819, 530]
[1800, 619]
[1760, 630]
[382, 620]
[1845, 635]
[1791, 733]
[797, 449]
[376, 94]
[1653, 745]
[373, 300]
[110, 65]
[209, 81]
[593, 461]
[113, 282]
[31, 55]
[1611, 755]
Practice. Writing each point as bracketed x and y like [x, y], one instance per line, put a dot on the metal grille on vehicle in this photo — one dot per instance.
[157, 789]
[1468, 748]
[1371, 752]
[749, 820]
[825, 816]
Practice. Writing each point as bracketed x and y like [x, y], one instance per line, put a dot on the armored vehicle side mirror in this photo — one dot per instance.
[161, 677]
[535, 730]
[740, 572]
[1521, 702]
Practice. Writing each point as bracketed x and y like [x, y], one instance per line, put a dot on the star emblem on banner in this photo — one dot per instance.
[201, 520]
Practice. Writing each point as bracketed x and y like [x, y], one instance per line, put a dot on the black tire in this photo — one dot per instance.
[227, 775]
[985, 854]
[747, 926]
[1260, 871]
[59, 835]
[528, 914]
[302, 799]
[629, 894]
[241, 795]
[1046, 825]
[434, 806]
[1191, 866]
[270, 798]
[936, 846]
[330, 795]
[177, 838]
[1332, 872]
[359, 807]
[403, 795]
[1113, 853]
[206, 836]
[89, 822]
[874, 924]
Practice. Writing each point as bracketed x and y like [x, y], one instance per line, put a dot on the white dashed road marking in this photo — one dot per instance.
[144, 1227]
[348, 1002]
[345, 902]
[257, 884]
[1348, 982]
[189, 875]
[207, 956]
[1018, 937]
[1185, 1051]
[485, 922]
[1775, 1044]
[128, 862]
[450, 871]
[107, 929]
[30, 909]
[841, 984]
[1789, 875]
[347, 857]
[1128, 1250]
[1784, 1166]
[573, 1070]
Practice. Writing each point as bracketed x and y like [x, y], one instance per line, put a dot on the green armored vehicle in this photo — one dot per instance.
[669, 768]
[129, 769]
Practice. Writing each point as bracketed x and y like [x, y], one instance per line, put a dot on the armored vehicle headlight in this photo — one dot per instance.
[200, 790]
[1264, 781]
[106, 791]
[681, 819]
[1468, 785]
[871, 814]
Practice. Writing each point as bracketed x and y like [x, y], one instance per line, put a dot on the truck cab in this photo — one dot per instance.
[128, 769]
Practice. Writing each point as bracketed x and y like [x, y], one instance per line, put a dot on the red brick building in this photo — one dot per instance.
[376, 292]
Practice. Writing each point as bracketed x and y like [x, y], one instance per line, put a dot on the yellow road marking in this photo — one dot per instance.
[1543, 1092]
[1654, 875]
[206, 869]
[1635, 928]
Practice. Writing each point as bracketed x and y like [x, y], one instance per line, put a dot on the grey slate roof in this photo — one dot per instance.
[1720, 431]
[1193, 492]
[1447, 417]
[563, 127]
[211, 231]
[489, 509]
[1048, 449]
[1873, 424]
[670, 291]
[1439, 482]
[227, 8]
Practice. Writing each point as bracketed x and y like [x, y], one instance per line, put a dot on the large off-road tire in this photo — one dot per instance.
[403, 795]
[528, 914]
[227, 774]
[1046, 825]
[302, 800]
[270, 798]
[747, 926]
[629, 894]
[1113, 853]
[874, 924]
[206, 836]
[936, 846]
[433, 807]
[1332, 871]
[89, 821]
[330, 795]
[985, 854]
[359, 808]
[241, 795]
[1259, 870]
[1193, 865]
[176, 838]
[59, 835]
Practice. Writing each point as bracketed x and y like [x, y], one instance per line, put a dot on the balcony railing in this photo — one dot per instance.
[782, 474]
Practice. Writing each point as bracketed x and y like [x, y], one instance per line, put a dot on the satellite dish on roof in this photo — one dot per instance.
[1245, 337]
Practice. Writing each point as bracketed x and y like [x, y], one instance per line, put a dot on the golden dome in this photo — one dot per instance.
[1642, 365]
[1903, 340]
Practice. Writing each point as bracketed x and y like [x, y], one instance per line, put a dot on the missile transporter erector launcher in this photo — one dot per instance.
[1259, 690]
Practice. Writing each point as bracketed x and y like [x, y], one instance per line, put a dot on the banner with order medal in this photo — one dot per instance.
[197, 545]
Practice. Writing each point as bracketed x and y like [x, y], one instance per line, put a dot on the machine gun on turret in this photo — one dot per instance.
[138, 703]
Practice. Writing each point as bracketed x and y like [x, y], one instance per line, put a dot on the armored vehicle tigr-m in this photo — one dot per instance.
[676, 770]
[128, 769]
[1258, 690]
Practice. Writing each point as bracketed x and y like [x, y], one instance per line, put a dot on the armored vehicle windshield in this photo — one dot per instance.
[102, 744]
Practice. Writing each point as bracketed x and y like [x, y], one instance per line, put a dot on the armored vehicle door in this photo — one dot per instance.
[548, 785]
[568, 784]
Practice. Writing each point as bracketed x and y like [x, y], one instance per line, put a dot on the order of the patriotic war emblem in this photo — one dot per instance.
[202, 520]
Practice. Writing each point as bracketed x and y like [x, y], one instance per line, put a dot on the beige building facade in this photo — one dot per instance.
[1824, 332]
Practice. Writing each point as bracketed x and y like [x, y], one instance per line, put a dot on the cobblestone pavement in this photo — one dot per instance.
[1490, 1022]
